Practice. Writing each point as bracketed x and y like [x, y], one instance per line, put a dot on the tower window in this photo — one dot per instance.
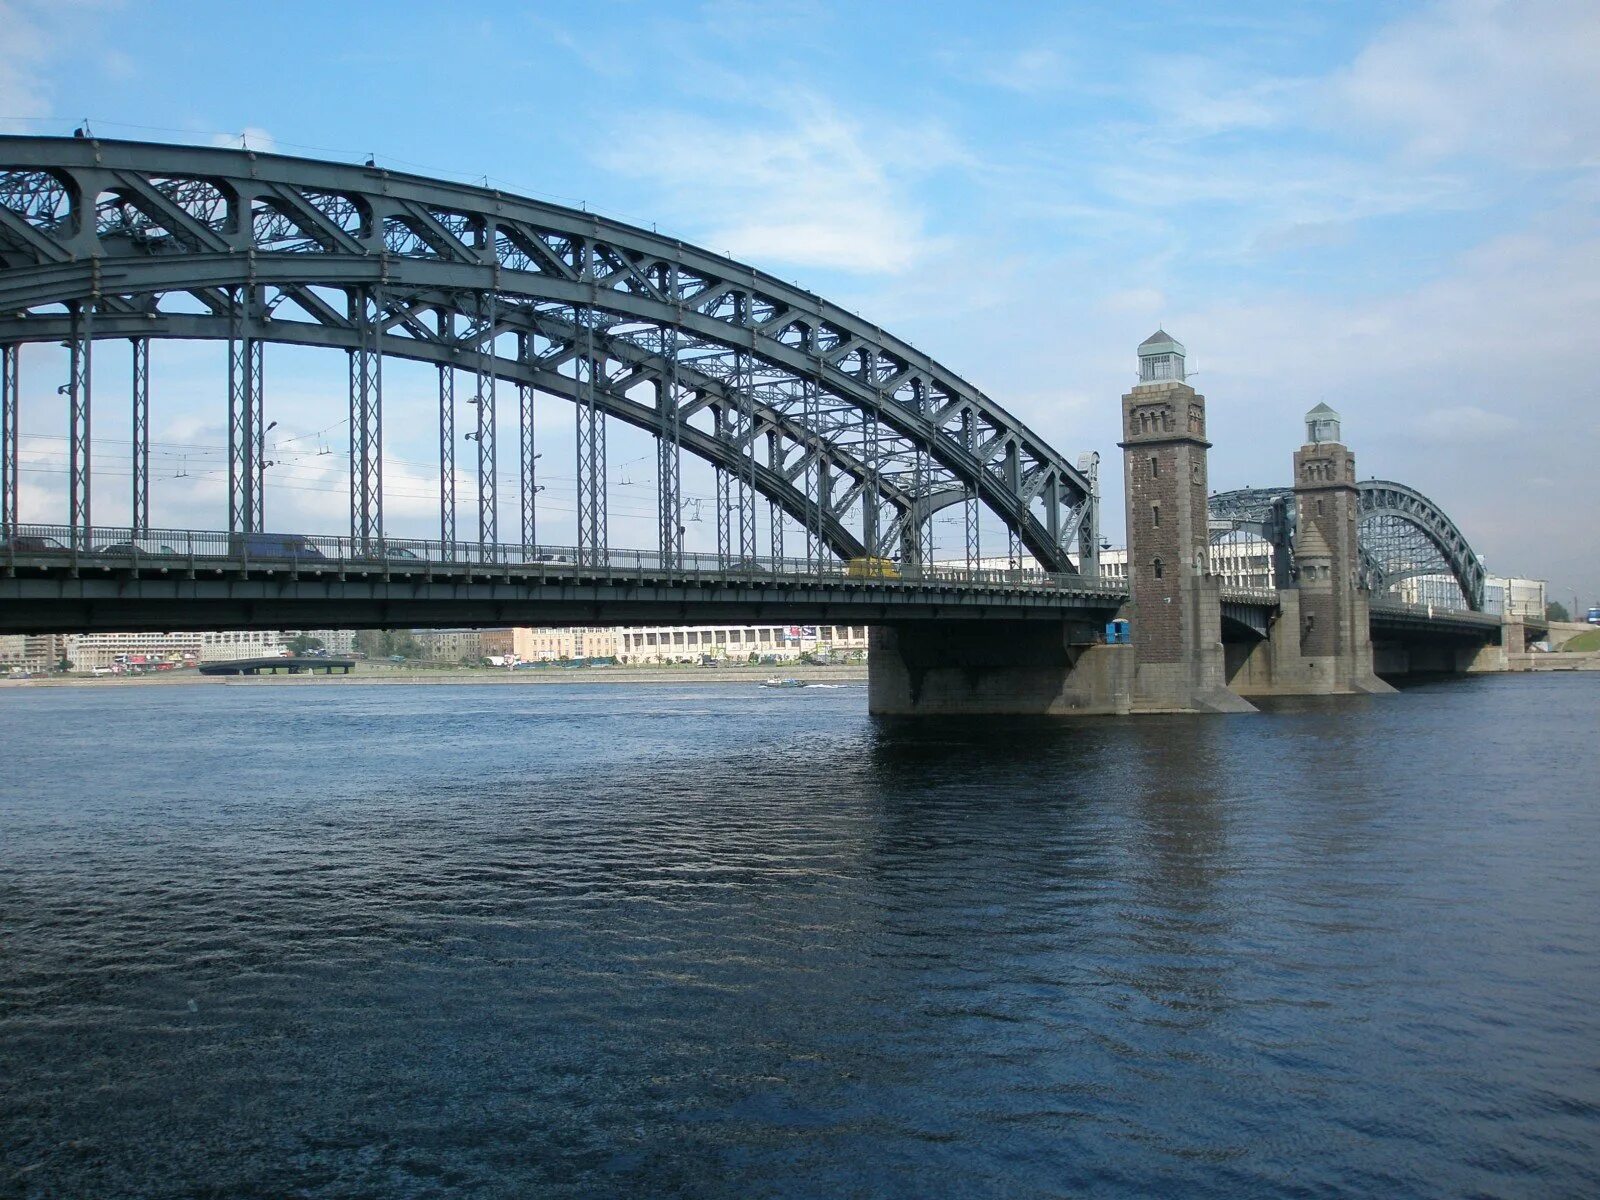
[1319, 506]
[1155, 564]
[1155, 515]
[1155, 467]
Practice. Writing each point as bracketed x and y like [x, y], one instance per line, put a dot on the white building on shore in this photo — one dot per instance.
[691, 643]
[90, 651]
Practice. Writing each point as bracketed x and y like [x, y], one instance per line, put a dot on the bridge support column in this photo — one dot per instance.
[141, 437]
[1514, 641]
[79, 386]
[1002, 668]
[1174, 601]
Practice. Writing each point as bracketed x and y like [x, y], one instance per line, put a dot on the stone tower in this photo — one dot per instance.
[1174, 600]
[1335, 637]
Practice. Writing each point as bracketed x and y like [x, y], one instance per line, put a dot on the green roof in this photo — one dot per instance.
[1160, 342]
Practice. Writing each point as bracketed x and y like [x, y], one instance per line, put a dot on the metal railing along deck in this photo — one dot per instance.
[113, 548]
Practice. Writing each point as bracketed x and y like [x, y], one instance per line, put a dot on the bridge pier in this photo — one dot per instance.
[1279, 665]
[1321, 643]
[1001, 668]
[1422, 643]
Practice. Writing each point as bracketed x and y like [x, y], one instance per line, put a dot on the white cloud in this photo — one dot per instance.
[1031, 70]
[802, 185]
[1509, 80]
[24, 49]
[1192, 96]
[1466, 423]
[1464, 386]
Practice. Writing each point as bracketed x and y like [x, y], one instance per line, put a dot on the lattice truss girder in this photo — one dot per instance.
[1402, 534]
[887, 435]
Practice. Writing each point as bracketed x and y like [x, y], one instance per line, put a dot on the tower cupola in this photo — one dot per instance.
[1161, 358]
[1322, 425]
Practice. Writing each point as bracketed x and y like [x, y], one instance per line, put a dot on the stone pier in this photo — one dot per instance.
[1321, 642]
[1015, 668]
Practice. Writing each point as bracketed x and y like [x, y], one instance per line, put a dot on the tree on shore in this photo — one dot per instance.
[386, 643]
[302, 642]
[1556, 611]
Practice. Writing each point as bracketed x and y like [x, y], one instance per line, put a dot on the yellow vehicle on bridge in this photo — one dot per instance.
[872, 568]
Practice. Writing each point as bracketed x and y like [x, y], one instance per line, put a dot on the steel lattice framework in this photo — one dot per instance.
[855, 437]
[1402, 533]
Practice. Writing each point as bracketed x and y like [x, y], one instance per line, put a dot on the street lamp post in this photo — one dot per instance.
[261, 477]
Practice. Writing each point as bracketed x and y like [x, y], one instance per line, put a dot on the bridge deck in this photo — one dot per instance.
[184, 579]
[188, 579]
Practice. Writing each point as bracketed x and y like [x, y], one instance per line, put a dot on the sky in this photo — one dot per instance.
[1391, 207]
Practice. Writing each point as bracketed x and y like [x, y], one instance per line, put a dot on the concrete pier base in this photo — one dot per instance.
[1278, 665]
[1174, 688]
[1003, 668]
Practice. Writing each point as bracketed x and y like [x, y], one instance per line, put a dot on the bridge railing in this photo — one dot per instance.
[1430, 612]
[168, 549]
[1265, 597]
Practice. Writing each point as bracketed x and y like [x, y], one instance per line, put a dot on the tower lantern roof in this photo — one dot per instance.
[1161, 358]
[1322, 425]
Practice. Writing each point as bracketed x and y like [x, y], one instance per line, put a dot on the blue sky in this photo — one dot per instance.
[1392, 207]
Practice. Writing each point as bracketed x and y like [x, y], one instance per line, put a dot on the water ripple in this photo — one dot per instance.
[569, 941]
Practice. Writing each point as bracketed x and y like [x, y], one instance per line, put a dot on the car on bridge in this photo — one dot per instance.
[128, 549]
[394, 554]
[272, 545]
[33, 544]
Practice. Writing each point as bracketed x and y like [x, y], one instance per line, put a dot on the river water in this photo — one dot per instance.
[567, 940]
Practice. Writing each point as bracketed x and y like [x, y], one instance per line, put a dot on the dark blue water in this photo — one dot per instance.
[350, 941]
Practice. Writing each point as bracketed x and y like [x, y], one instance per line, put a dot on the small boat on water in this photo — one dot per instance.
[775, 682]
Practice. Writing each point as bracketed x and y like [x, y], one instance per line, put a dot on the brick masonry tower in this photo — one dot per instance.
[1174, 601]
[1334, 624]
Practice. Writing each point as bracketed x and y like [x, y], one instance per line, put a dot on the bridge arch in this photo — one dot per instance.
[1402, 534]
[850, 431]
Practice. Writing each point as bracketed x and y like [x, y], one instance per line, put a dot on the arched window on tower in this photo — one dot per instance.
[1155, 564]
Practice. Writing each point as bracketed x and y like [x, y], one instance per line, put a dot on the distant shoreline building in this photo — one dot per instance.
[641, 645]
[31, 653]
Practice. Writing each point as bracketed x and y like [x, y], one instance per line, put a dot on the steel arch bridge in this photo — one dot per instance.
[1402, 535]
[847, 433]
